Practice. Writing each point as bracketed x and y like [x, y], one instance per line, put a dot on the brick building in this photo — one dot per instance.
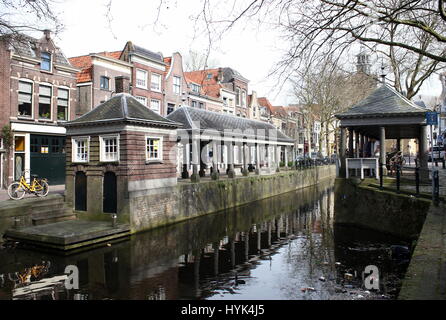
[220, 90]
[120, 149]
[38, 94]
[148, 76]
[96, 80]
[176, 88]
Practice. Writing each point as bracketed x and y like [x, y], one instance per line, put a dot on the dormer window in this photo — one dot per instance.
[195, 88]
[45, 63]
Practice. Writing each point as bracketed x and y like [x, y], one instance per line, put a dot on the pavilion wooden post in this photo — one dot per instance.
[267, 157]
[231, 172]
[423, 154]
[342, 154]
[382, 148]
[286, 157]
[357, 144]
[185, 171]
[277, 156]
[195, 177]
[245, 160]
[215, 174]
[398, 144]
[257, 171]
[350, 143]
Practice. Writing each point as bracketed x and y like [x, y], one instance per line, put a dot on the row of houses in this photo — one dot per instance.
[41, 89]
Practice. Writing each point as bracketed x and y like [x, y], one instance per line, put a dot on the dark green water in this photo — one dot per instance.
[278, 248]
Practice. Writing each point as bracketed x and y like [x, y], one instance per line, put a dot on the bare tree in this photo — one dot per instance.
[22, 16]
[198, 61]
[327, 90]
[407, 30]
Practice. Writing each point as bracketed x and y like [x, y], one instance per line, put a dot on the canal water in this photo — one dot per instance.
[285, 247]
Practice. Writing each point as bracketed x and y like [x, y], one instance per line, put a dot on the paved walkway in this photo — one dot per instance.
[56, 189]
[408, 179]
[425, 278]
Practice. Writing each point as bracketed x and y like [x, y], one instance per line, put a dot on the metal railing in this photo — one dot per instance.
[418, 173]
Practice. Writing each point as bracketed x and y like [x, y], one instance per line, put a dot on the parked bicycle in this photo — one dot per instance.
[39, 187]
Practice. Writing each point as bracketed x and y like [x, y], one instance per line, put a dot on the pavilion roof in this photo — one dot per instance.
[383, 102]
[220, 122]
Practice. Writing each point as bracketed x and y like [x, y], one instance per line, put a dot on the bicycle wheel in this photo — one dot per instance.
[43, 190]
[16, 191]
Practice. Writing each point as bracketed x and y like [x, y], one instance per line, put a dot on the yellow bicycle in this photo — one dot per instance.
[39, 187]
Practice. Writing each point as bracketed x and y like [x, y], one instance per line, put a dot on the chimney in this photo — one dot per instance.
[122, 84]
[47, 34]
[220, 75]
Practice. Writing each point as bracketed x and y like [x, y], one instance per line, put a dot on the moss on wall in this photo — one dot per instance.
[385, 211]
[189, 200]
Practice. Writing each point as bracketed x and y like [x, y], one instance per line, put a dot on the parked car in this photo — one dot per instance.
[438, 153]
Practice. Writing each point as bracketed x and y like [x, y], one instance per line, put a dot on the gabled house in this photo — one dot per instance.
[176, 86]
[37, 95]
[96, 79]
[205, 91]
[148, 76]
[224, 88]
[265, 109]
[253, 106]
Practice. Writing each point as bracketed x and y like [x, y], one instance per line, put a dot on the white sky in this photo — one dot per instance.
[246, 49]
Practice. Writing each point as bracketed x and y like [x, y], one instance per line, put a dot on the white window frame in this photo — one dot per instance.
[138, 98]
[196, 88]
[32, 98]
[68, 103]
[159, 105]
[160, 151]
[49, 85]
[145, 80]
[102, 157]
[175, 85]
[51, 62]
[159, 82]
[74, 141]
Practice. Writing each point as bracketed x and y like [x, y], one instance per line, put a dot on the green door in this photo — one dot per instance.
[48, 158]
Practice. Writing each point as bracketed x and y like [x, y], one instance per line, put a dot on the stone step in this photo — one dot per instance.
[47, 208]
[43, 202]
[65, 216]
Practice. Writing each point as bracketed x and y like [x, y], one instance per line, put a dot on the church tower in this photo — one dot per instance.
[363, 62]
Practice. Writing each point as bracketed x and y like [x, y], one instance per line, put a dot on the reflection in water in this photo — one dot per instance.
[284, 247]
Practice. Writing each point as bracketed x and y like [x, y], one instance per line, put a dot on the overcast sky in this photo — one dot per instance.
[247, 49]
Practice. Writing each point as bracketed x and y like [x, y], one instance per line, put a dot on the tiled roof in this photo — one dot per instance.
[229, 74]
[209, 86]
[85, 64]
[27, 46]
[122, 107]
[383, 101]
[168, 62]
[147, 53]
[220, 122]
[112, 54]
[280, 111]
[264, 102]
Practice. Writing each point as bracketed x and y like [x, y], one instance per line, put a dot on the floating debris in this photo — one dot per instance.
[322, 279]
[337, 264]
[348, 276]
[308, 289]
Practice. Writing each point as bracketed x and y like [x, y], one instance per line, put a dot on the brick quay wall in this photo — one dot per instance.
[163, 206]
